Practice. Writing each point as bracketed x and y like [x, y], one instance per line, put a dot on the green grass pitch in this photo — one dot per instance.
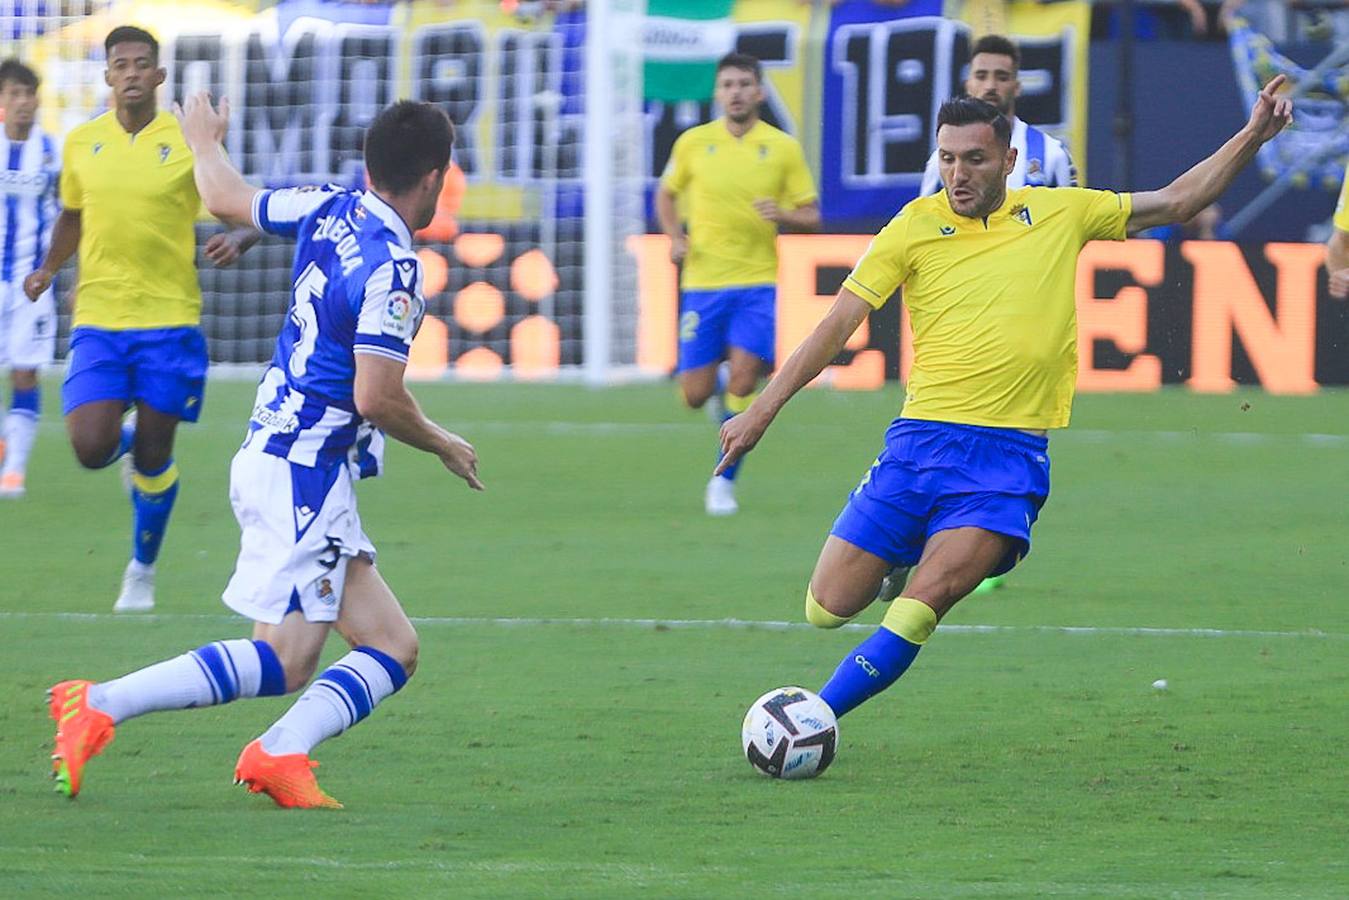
[532, 756]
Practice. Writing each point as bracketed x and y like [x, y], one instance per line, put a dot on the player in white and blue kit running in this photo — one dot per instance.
[1041, 160]
[334, 388]
[28, 185]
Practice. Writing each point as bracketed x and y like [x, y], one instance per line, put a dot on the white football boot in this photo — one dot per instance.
[719, 499]
[138, 589]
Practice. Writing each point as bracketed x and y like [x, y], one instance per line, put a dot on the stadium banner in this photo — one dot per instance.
[1210, 315]
[858, 83]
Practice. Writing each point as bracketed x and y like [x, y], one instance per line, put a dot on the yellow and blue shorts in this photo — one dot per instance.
[165, 368]
[934, 476]
[711, 321]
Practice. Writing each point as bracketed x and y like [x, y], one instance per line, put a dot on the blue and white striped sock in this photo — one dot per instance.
[342, 695]
[213, 674]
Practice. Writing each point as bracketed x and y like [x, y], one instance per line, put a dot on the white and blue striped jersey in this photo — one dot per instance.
[29, 187]
[1041, 161]
[357, 288]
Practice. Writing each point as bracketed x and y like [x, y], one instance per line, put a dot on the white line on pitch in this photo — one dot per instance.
[743, 624]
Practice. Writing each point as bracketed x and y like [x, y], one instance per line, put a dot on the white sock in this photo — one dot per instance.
[341, 696]
[20, 429]
[216, 673]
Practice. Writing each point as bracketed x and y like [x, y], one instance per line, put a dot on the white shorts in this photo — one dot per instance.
[27, 327]
[298, 530]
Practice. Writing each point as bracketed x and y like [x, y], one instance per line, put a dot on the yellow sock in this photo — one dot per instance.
[911, 619]
[736, 404]
[820, 617]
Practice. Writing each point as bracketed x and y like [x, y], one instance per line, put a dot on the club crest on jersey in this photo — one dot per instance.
[1022, 214]
[325, 591]
[1033, 167]
[164, 150]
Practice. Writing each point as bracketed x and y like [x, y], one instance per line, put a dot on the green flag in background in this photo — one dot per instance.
[682, 41]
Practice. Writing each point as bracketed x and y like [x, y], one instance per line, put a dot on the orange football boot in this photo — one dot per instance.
[81, 733]
[288, 779]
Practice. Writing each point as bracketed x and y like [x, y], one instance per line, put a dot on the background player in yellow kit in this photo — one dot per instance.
[738, 180]
[1337, 248]
[130, 208]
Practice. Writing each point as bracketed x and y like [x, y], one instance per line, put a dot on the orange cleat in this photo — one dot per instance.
[81, 733]
[11, 485]
[289, 779]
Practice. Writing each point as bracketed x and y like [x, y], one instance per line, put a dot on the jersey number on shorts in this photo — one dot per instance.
[308, 288]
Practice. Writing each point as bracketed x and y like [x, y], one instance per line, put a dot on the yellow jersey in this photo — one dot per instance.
[1342, 208]
[718, 177]
[138, 206]
[992, 301]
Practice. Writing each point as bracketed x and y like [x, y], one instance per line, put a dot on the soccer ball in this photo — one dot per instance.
[790, 733]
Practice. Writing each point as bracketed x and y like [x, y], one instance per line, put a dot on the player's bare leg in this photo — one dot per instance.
[384, 654]
[95, 431]
[698, 385]
[372, 616]
[953, 563]
[153, 479]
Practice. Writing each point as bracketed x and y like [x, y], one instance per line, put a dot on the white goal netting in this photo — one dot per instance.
[513, 289]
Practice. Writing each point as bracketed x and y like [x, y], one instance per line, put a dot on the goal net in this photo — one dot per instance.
[528, 275]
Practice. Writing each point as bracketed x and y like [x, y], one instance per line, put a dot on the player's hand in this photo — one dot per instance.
[461, 459]
[203, 125]
[1339, 284]
[768, 210]
[1271, 113]
[739, 434]
[36, 283]
[679, 248]
[223, 249]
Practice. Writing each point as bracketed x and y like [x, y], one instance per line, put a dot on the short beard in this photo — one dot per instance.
[743, 118]
[985, 208]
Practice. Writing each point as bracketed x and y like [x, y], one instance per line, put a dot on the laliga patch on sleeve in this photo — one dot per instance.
[399, 319]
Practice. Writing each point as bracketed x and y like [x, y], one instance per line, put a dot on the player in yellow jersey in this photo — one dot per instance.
[988, 278]
[738, 180]
[130, 208]
[1337, 248]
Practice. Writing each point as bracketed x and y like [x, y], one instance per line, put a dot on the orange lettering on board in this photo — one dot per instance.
[1227, 301]
[1121, 319]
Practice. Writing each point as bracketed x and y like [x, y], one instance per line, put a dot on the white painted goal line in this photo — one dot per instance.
[713, 624]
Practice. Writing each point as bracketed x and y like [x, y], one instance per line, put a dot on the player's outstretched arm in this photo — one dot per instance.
[65, 241]
[1182, 199]
[383, 399]
[227, 196]
[741, 433]
[1337, 263]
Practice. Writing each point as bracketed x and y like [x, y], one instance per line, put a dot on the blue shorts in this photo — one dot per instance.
[933, 476]
[711, 321]
[164, 368]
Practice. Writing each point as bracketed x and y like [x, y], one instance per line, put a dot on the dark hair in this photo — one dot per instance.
[130, 34]
[741, 61]
[996, 43]
[969, 111]
[405, 142]
[13, 70]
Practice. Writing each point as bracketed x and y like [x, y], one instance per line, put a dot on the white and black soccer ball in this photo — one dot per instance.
[790, 733]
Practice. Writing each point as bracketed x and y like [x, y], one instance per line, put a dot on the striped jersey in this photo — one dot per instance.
[1041, 161]
[29, 187]
[356, 288]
